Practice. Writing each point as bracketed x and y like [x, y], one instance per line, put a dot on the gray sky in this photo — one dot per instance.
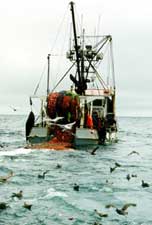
[28, 30]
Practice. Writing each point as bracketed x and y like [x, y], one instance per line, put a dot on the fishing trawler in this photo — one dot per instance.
[83, 114]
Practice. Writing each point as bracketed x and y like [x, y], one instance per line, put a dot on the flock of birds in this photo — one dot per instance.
[123, 210]
[19, 195]
[76, 187]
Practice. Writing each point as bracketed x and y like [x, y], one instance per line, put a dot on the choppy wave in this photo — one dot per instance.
[18, 151]
[54, 200]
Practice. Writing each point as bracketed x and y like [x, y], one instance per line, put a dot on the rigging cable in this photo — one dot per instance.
[63, 77]
[99, 77]
[90, 62]
[57, 35]
[62, 50]
[44, 68]
[59, 28]
[112, 62]
[37, 86]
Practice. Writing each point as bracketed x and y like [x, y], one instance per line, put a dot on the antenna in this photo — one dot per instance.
[98, 27]
[48, 75]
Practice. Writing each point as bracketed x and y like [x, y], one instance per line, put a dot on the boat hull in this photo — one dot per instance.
[86, 137]
[39, 139]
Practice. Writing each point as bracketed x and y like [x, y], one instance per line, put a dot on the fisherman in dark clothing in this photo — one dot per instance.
[110, 122]
[95, 119]
[99, 124]
[101, 130]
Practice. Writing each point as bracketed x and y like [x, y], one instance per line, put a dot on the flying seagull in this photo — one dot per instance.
[123, 210]
[133, 152]
[54, 120]
[67, 126]
[113, 168]
[94, 150]
[14, 109]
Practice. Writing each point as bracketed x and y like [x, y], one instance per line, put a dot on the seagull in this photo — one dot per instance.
[67, 126]
[144, 184]
[121, 211]
[128, 177]
[43, 175]
[58, 166]
[5, 178]
[113, 168]
[101, 214]
[117, 164]
[108, 182]
[134, 175]
[14, 109]
[96, 223]
[71, 218]
[53, 120]
[27, 206]
[76, 187]
[134, 152]
[19, 195]
[3, 205]
[110, 206]
[94, 150]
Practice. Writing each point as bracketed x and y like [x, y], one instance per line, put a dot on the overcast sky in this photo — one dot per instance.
[27, 32]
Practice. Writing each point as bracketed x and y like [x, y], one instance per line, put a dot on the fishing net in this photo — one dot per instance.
[65, 104]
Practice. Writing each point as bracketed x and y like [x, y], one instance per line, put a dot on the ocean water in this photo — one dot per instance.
[53, 199]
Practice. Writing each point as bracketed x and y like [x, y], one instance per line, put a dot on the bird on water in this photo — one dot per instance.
[3, 205]
[42, 176]
[58, 166]
[100, 213]
[144, 184]
[27, 206]
[76, 187]
[128, 177]
[18, 195]
[5, 178]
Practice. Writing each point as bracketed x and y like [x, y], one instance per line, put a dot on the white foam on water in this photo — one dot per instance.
[52, 193]
[17, 151]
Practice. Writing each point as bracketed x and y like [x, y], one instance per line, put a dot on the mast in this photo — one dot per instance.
[48, 74]
[82, 58]
[75, 40]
